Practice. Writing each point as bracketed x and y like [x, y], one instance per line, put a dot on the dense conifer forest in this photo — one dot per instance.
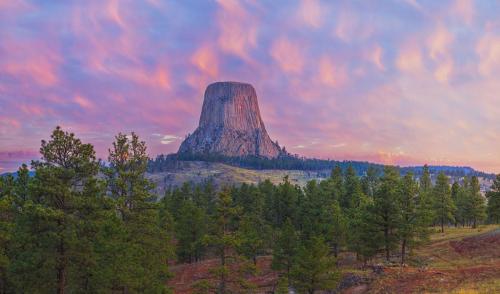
[78, 226]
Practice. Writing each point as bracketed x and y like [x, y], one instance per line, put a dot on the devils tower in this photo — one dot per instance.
[230, 124]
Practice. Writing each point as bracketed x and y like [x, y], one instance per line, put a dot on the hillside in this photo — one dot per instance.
[461, 260]
[223, 174]
[166, 173]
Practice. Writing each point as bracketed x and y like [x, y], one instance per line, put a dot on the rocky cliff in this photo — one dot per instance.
[230, 124]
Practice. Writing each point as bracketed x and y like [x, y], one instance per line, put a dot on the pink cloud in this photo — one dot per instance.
[83, 102]
[331, 74]
[464, 9]
[488, 50]
[410, 58]
[206, 61]
[288, 55]
[440, 45]
[237, 29]
[310, 13]
[375, 55]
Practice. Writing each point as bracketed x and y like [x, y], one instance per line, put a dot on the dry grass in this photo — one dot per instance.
[461, 260]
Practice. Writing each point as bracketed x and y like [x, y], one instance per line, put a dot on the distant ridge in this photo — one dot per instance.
[293, 162]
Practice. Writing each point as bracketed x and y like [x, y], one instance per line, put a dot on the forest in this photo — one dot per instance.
[79, 225]
[287, 161]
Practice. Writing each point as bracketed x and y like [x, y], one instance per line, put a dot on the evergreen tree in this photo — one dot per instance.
[353, 192]
[370, 181]
[337, 183]
[494, 201]
[314, 268]
[414, 217]
[146, 245]
[386, 210]
[462, 203]
[455, 196]
[443, 204]
[477, 202]
[190, 228]
[57, 225]
[336, 233]
[285, 249]
[252, 232]
[7, 214]
[425, 181]
[285, 202]
[231, 274]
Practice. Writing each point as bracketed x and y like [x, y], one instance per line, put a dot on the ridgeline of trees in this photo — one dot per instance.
[287, 161]
[77, 226]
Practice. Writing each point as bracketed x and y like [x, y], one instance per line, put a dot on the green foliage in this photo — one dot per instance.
[386, 210]
[285, 249]
[58, 223]
[415, 218]
[145, 244]
[477, 202]
[314, 268]
[230, 275]
[443, 204]
[77, 226]
[494, 201]
[189, 231]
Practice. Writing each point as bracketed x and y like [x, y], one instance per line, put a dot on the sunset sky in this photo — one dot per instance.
[396, 82]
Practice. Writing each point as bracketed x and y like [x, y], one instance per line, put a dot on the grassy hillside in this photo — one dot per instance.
[223, 174]
[462, 260]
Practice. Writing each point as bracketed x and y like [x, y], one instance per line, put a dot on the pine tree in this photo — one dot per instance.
[370, 181]
[252, 232]
[285, 249]
[494, 201]
[7, 214]
[285, 202]
[55, 230]
[353, 192]
[314, 268]
[425, 186]
[477, 202]
[337, 183]
[425, 194]
[443, 204]
[231, 274]
[336, 233]
[145, 243]
[190, 228]
[386, 210]
[462, 203]
[414, 218]
[455, 196]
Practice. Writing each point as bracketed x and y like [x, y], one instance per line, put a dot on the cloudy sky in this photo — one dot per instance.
[397, 82]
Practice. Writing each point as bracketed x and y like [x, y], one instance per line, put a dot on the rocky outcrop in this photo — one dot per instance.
[230, 124]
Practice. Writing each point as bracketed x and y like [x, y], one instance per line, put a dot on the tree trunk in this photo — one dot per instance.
[386, 236]
[403, 251]
[442, 225]
[222, 285]
[61, 267]
[335, 250]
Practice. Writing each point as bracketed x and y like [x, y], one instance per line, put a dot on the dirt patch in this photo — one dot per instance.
[471, 260]
[185, 275]
[484, 245]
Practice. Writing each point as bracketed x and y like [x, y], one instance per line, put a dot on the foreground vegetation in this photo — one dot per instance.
[78, 226]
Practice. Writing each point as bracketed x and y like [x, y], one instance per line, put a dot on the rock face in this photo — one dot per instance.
[230, 124]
